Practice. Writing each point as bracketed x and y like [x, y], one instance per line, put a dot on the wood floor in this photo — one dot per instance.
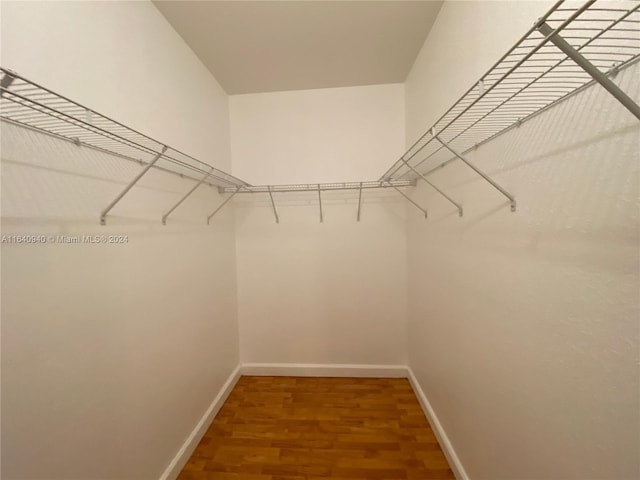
[291, 428]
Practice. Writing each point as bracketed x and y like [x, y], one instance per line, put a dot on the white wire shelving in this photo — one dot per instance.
[30, 105]
[569, 48]
[325, 187]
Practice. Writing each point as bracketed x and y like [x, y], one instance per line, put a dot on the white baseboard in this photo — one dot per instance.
[322, 370]
[190, 444]
[436, 426]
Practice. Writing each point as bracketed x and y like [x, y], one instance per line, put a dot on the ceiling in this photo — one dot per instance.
[265, 46]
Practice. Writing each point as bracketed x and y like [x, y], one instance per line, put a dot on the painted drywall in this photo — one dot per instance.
[523, 327]
[122, 59]
[111, 353]
[323, 135]
[311, 292]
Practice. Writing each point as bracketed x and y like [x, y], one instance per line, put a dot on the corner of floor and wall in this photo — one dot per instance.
[518, 331]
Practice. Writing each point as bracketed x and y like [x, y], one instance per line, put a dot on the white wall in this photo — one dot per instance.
[111, 353]
[468, 37]
[311, 292]
[124, 60]
[523, 326]
[324, 135]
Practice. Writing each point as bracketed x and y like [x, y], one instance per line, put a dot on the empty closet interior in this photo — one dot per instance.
[195, 191]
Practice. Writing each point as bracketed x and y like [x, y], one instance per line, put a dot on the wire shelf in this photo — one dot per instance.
[533, 75]
[323, 187]
[569, 48]
[28, 104]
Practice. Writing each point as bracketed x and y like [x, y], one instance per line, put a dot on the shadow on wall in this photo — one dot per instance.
[574, 173]
[56, 183]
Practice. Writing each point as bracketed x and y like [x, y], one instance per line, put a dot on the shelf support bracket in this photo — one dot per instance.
[512, 200]
[359, 200]
[226, 200]
[423, 210]
[457, 205]
[588, 67]
[273, 204]
[103, 214]
[320, 203]
[164, 217]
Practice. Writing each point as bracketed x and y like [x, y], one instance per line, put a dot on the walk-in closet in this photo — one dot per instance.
[304, 240]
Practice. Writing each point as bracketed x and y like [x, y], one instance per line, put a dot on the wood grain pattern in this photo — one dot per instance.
[294, 428]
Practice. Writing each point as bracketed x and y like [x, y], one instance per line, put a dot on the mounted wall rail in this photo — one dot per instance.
[569, 48]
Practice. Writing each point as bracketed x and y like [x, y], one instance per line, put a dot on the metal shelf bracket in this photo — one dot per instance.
[423, 210]
[320, 203]
[220, 207]
[359, 200]
[457, 205]
[164, 217]
[512, 200]
[273, 204]
[103, 214]
[588, 67]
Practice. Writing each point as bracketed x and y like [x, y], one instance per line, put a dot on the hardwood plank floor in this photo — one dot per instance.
[294, 428]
